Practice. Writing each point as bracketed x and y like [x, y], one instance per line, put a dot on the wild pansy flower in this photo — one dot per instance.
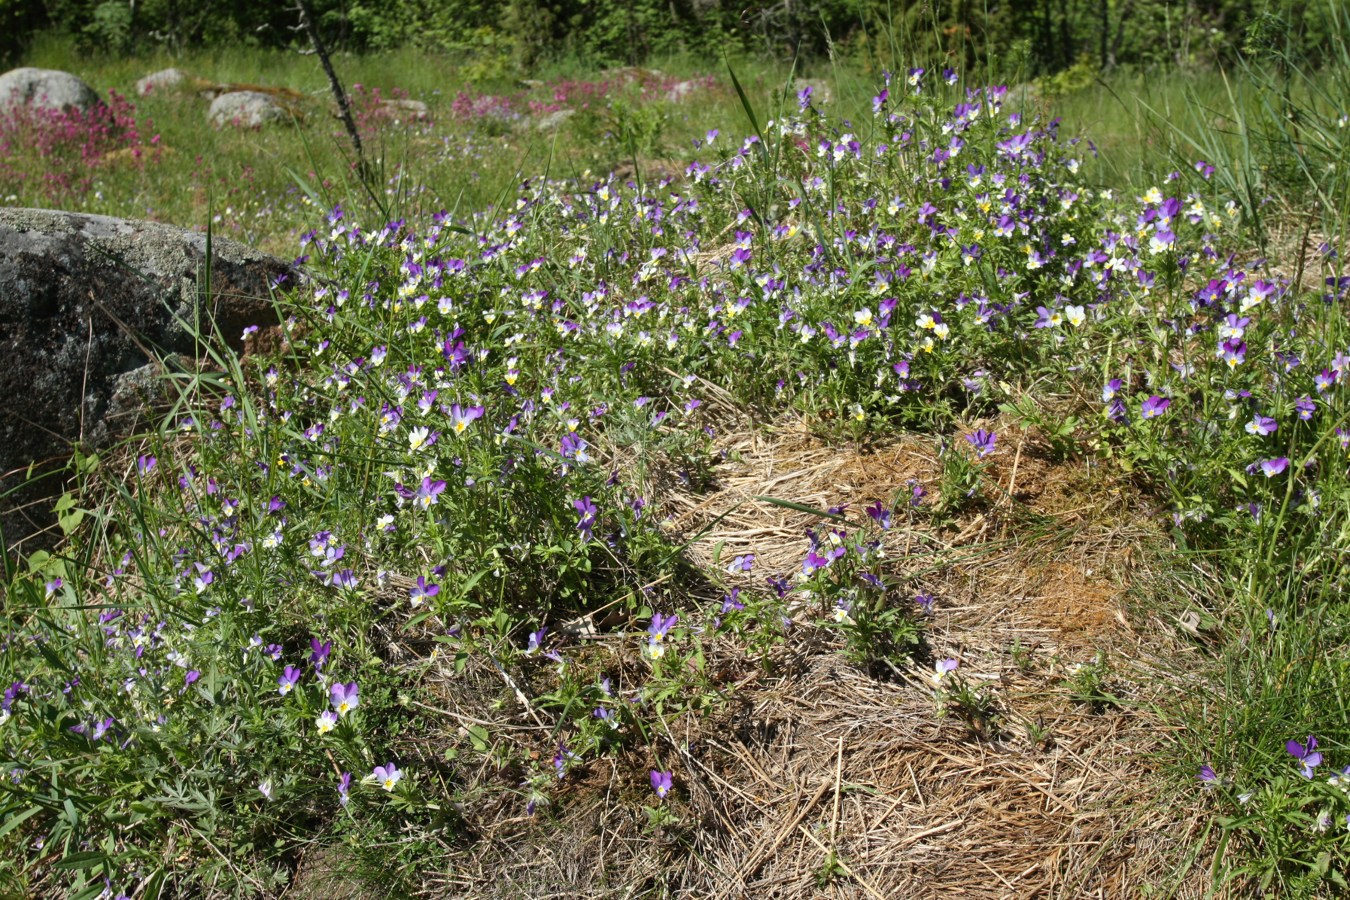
[145, 464]
[662, 782]
[386, 776]
[462, 417]
[1047, 318]
[423, 591]
[288, 679]
[1272, 467]
[573, 447]
[1233, 352]
[428, 492]
[344, 787]
[658, 629]
[1161, 241]
[1208, 779]
[1233, 326]
[1262, 425]
[327, 721]
[419, 438]
[588, 512]
[983, 442]
[742, 564]
[318, 653]
[344, 697]
[942, 668]
[1305, 407]
[1154, 406]
[536, 641]
[1306, 755]
[879, 514]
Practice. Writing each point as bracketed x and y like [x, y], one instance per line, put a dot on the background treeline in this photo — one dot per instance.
[1027, 37]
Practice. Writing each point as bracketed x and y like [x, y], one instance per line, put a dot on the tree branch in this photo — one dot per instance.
[344, 108]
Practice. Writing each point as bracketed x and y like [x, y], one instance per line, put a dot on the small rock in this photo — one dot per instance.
[681, 90]
[45, 89]
[415, 110]
[554, 119]
[245, 109]
[163, 80]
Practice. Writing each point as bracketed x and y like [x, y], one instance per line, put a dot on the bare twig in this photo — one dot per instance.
[344, 108]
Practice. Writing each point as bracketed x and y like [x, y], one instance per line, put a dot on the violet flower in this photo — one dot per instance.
[983, 442]
[1306, 755]
[287, 680]
[662, 782]
[423, 591]
[387, 776]
[319, 652]
[344, 697]
[588, 512]
[1154, 406]
[1273, 467]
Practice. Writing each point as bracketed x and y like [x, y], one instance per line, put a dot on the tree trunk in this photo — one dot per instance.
[1126, 10]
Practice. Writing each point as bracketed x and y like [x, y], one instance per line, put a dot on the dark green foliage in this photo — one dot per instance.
[1031, 38]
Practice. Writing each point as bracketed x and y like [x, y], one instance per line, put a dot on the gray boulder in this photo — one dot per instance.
[245, 109]
[402, 110]
[45, 89]
[163, 80]
[554, 120]
[682, 90]
[86, 304]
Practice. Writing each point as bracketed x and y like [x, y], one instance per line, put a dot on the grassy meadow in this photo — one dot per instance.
[831, 482]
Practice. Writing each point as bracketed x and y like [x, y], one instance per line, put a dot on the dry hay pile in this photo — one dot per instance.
[822, 781]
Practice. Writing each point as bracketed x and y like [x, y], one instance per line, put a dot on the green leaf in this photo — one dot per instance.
[478, 736]
[749, 110]
[71, 521]
[86, 859]
[15, 821]
[801, 507]
[37, 561]
[469, 583]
